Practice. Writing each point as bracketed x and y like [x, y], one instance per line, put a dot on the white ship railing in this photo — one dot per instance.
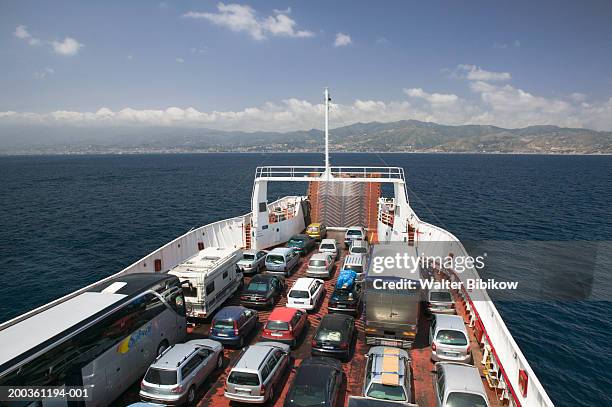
[338, 174]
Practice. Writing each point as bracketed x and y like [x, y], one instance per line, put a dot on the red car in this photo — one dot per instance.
[285, 325]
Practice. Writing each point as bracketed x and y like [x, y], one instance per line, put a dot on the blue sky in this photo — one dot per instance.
[262, 65]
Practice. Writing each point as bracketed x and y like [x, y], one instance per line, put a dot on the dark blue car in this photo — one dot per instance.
[231, 325]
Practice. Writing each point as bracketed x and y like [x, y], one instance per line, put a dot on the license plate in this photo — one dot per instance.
[388, 343]
[298, 302]
[277, 335]
[341, 306]
[222, 334]
[327, 347]
[454, 354]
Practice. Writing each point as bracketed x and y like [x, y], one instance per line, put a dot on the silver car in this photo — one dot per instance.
[257, 376]
[449, 339]
[387, 375]
[253, 261]
[320, 265]
[175, 375]
[440, 302]
[458, 384]
[354, 233]
[359, 248]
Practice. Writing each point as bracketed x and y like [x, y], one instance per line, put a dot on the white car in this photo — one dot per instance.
[253, 261]
[306, 293]
[330, 246]
[354, 233]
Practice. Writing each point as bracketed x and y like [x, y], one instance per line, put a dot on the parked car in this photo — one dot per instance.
[354, 233]
[263, 290]
[346, 297]
[302, 244]
[320, 265]
[175, 375]
[257, 375]
[359, 248]
[330, 246]
[306, 293]
[449, 339]
[387, 374]
[440, 302]
[253, 261]
[282, 260]
[317, 231]
[285, 325]
[458, 384]
[231, 325]
[318, 382]
[355, 263]
[334, 336]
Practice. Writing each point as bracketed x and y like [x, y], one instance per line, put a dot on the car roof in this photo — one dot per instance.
[314, 374]
[329, 241]
[454, 322]
[320, 256]
[280, 250]
[282, 314]
[354, 259]
[174, 356]
[253, 357]
[461, 377]
[360, 228]
[302, 283]
[387, 367]
[229, 313]
[334, 321]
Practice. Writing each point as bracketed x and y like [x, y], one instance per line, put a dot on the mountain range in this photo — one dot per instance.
[400, 136]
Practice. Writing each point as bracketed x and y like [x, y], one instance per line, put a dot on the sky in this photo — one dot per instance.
[263, 65]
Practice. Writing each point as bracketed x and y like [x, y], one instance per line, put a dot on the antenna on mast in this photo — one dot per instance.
[327, 100]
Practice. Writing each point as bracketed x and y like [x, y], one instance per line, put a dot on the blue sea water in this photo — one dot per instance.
[66, 221]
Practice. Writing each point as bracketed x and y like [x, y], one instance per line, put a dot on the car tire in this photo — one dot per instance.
[163, 345]
[191, 396]
[220, 361]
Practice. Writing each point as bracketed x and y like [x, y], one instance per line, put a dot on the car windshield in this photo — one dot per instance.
[295, 242]
[248, 256]
[356, 269]
[382, 392]
[353, 232]
[317, 263]
[456, 399]
[440, 296]
[257, 286]
[329, 335]
[224, 324]
[243, 379]
[328, 246]
[342, 295]
[358, 250]
[448, 337]
[313, 229]
[298, 294]
[275, 259]
[305, 395]
[277, 326]
[160, 376]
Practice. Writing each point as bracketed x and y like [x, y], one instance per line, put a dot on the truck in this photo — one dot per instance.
[392, 295]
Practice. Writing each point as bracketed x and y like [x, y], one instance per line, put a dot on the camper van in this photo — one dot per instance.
[391, 314]
[208, 279]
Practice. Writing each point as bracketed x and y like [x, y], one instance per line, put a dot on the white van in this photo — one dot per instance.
[208, 279]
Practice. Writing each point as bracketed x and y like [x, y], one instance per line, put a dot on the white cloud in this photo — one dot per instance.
[285, 11]
[342, 40]
[435, 99]
[476, 73]
[243, 18]
[22, 32]
[68, 47]
[180, 60]
[44, 73]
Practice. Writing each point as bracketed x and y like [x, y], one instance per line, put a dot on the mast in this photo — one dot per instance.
[327, 100]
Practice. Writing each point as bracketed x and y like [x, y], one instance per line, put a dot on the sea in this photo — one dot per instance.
[67, 221]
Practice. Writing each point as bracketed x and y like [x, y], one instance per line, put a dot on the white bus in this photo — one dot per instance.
[103, 339]
[209, 278]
